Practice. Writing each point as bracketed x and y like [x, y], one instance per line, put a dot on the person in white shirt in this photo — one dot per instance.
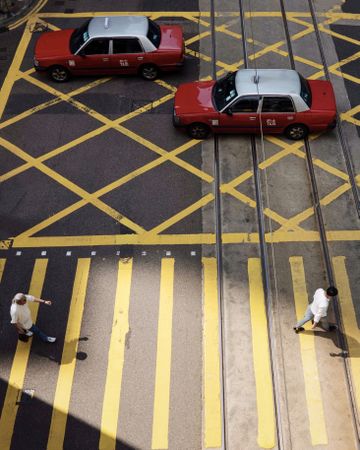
[21, 316]
[317, 310]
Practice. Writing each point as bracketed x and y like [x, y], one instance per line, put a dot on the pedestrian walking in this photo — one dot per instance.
[21, 316]
[317, 310]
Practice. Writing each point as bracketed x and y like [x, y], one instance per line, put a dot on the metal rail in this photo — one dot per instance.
[264, 256]
[343, 144]
[320, 220]
[218, 234]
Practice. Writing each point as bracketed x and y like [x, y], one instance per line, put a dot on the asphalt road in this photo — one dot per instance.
[121, 236]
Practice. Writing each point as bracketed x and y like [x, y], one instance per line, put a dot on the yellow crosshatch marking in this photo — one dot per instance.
[289, 229]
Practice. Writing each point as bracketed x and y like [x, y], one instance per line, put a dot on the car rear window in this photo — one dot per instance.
[79, 37]
[224, 91]
[305, 91]
[154, 33]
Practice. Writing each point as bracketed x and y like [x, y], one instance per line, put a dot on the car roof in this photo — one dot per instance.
[118, 26]
[269, 81]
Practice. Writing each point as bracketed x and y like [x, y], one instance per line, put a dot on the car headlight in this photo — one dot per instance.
[36, 62]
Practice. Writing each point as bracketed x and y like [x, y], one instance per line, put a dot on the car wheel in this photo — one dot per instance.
[198, 131]
[59, 74]
[296, 132]
[149, 72]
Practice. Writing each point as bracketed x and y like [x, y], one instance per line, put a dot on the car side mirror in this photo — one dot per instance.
[229, 112]
[81, 53]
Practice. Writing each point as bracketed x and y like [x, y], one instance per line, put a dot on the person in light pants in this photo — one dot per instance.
[317, 310]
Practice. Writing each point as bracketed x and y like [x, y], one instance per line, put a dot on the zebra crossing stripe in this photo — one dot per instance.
[313, 395]
[160, 427]
[2, 267]
[261, 357]
[20, 361]
[68, 360]
[212, 388]
[120, 328]
[351, 327]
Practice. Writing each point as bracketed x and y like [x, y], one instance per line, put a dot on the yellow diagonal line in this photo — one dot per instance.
[15, 65]
[94, 114]
[104, 190]
[70, 186]
[325, 201]
[335, 66]
[51, 102]
[86, 137]
[182, 214]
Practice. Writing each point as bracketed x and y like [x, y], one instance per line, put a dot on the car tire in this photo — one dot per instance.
[149, 72]
[59, 74]
[296, 132]
[198, 130]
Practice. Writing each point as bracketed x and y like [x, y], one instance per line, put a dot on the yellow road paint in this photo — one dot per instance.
[182, 214]
[20, 361]
[160, 427]
[261, 357]
[351, 329]
[182, 239]
[313, 395]
[2, 267]
[52, 102]
[68, 359]
[71, 186]
[120, 328]
[15, 65]
[104, 190]
[211, 345]
[32, 12]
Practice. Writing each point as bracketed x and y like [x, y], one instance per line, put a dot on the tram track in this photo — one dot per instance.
[281, 412]
[318, 211]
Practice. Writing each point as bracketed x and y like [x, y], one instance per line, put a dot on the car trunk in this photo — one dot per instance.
[323, 97]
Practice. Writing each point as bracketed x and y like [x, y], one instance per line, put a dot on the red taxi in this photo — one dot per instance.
[111, 45]
[250, 101]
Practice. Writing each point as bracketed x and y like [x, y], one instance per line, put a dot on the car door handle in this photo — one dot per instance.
[252, 118]
[140, 58]
[105, 59]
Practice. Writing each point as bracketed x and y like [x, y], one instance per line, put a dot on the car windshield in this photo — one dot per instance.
[79, 37]
[305, 91]
[154, 33]
[224, 91]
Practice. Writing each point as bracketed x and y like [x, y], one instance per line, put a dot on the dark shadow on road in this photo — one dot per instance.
[33, 423]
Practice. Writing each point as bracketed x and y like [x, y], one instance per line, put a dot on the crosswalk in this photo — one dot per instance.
[150, 374]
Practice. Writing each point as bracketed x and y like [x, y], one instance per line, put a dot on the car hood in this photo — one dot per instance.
[171, 38]
[323, 97]
[53, 43]
[196, 97]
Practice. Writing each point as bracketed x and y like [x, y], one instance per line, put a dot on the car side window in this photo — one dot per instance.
[97, 47]
[277, 104]
[246, 104]
[129, 45]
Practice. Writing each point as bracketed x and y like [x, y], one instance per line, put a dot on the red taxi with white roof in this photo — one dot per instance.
[111, 45]
[250, 101]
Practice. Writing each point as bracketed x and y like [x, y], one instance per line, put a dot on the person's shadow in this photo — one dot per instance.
[348, 346]
[80, 356]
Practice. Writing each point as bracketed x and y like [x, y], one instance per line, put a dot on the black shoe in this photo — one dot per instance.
[298, 329]
[332, 327]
